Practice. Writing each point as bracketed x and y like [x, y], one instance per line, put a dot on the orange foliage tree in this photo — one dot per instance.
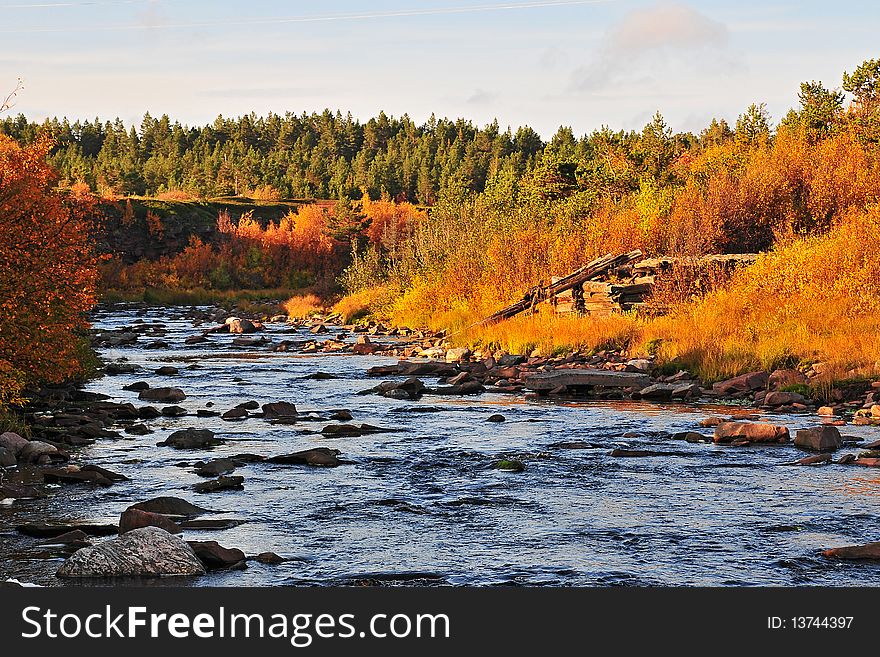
[47, 273]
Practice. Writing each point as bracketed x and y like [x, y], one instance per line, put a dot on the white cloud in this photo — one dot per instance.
[660, 33]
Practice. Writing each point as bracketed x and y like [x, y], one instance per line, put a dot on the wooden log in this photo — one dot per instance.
[586, 377]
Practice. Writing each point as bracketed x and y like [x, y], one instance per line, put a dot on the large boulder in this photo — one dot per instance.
[144, 552]
[164, 395]
[7, 458]
[36, 451]
[191, 439]
[753, 432]
[743, 383]
[777, 398]
[279, 410]
[13, 442]
[781, 378]
[132, 519]
[820, 439]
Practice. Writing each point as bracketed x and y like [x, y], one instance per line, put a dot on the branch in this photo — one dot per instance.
[9, 102]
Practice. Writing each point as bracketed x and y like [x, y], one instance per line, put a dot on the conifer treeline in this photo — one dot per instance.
[329, 155]
[314, 155]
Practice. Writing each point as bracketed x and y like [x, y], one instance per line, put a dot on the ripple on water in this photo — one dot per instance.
[425, 507]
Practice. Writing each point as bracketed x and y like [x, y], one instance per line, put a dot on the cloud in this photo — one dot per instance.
[480, 97]
[553, 57]
[662, 32]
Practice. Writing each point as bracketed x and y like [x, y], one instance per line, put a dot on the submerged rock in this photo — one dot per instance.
[509, 465]
[497, 417]
[144, 552]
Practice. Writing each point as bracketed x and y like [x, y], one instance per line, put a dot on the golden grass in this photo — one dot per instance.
[813, 299]
[303, 305]
[551, 334]
[372, 301]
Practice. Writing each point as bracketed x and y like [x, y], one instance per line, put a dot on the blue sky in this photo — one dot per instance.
[539, 63]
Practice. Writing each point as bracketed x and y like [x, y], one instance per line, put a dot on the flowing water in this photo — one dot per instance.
[424, 506]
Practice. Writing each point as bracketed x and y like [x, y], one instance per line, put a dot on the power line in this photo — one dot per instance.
[398, 13]
[53, 5]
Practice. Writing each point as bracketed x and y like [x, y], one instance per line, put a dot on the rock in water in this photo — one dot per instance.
[317, 456]
[169, 506]
[132, 519]
[216, 557]
[755, 432]
[144, 552]
[191, 439]
[166, 395]
[220, 483]
[235, 414]
[13, 442]
[820, 439]
[277, 410]
[866, 551]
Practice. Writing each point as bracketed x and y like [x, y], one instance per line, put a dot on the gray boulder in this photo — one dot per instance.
[13, 442]
[144, 552]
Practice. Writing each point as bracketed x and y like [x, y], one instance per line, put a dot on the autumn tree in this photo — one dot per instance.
[47, 273]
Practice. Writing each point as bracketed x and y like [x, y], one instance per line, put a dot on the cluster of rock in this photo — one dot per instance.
[148, 545]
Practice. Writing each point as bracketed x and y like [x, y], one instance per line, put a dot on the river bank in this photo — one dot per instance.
[565, 487]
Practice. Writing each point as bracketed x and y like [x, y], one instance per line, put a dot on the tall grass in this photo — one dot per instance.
[303, 305]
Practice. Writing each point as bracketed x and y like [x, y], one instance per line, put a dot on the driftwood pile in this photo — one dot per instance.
[612, 283]
[629, 286]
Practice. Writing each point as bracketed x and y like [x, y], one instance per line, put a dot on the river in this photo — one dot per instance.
[423, 505]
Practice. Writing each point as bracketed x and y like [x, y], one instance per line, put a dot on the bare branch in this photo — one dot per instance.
[9, 102]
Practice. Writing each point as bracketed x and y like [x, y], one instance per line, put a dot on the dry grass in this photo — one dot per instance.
[303, 305]
[551, 334]
[813, 299]
[372, 301]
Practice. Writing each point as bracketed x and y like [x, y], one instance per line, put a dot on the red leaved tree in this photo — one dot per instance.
[47, 272]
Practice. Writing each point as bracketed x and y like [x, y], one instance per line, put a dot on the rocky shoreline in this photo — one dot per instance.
[63, 419]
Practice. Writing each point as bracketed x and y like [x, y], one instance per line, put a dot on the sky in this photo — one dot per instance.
[542, 63]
